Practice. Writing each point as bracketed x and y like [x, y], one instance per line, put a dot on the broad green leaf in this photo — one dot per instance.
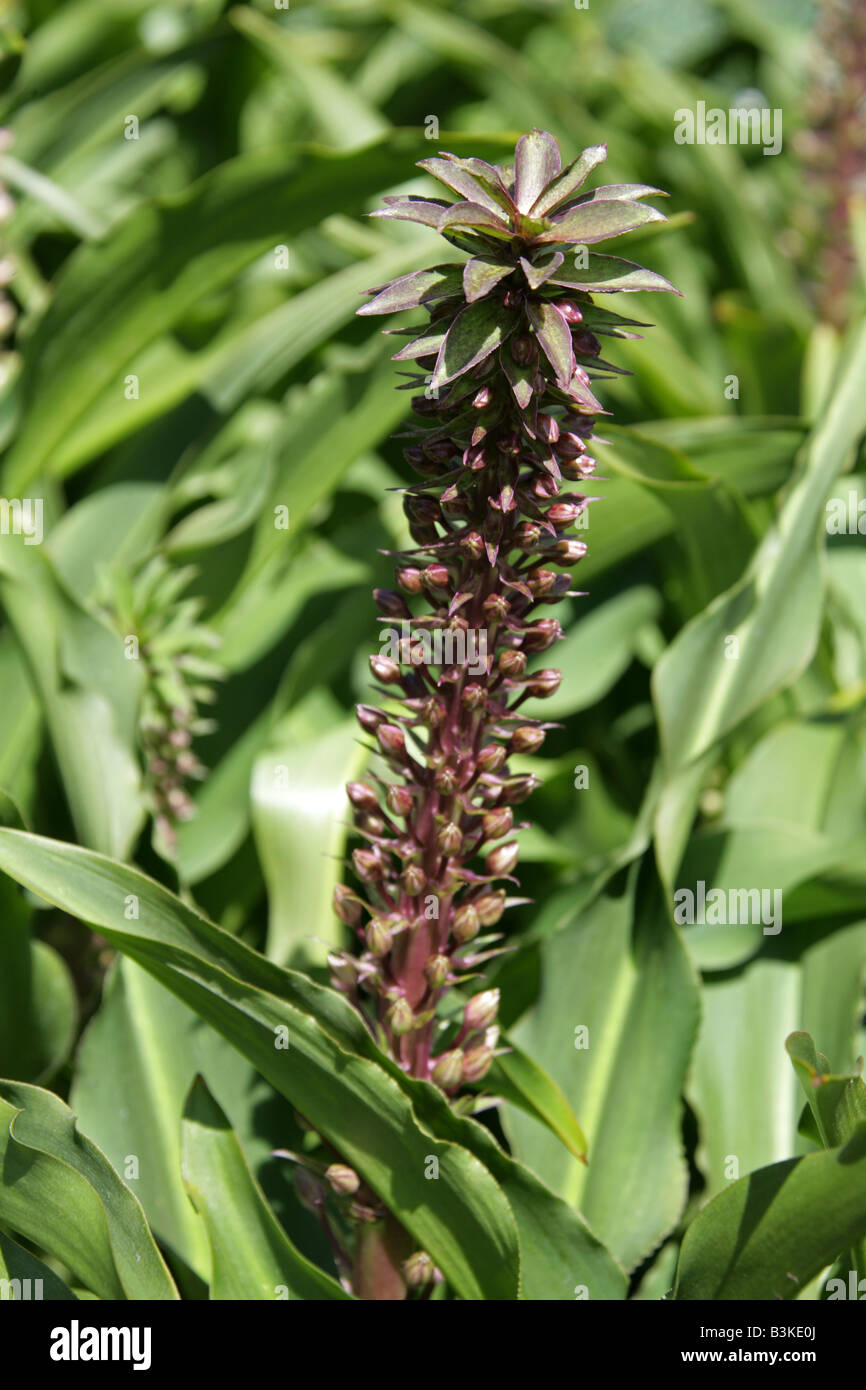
[118, 295]
[60, 1192]
[519, 1079]
[837, 1103]
[591, 222]
[300, 815]
[613, 274]
[23, 1277]
[554, 336]
[475, 333]
[704, 685]
[251, 1255]
[464, 1220]
[754, 1242]
[614, 1025]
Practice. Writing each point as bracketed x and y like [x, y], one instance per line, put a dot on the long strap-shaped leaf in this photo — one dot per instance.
[58, 1190]
[382, 1121]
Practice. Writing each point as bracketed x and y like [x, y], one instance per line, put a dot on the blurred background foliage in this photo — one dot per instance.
[184, 228]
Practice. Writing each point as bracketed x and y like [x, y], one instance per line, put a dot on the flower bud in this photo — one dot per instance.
[448, 1070]
[497, 823]
[343, 1180]
[418, 1270]
[570, 311]
[344, 971]
[568, 552]
[378, 936]
[445, 781]
[495, 607]
[436, 577]
[466, 923]
[347, 905]
[527, 535]
[410, 580]
[544, 683]
[547, 429]
[570, 445]
[385, 669]
[490, 907]
[400, 801]
[400, 1017]
[392, 604]
[512, 662]
[491, 757]
[526, 739]
[481, 1010]
[503, 859]
[449, 840]
[472, 544]
[391, 739]
[586, 343]
[564, 513]
[413, 879]
[362, 796]
[542, 635]
[473, 696]
[523, 349]
[436, 970]
[518, 789]
[477, 1062]
[370, 718]
[368, 865]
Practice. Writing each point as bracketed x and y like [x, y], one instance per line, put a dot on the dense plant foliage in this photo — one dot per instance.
[640, 1081]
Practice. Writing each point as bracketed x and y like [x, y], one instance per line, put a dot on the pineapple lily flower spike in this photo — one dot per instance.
[506, 413]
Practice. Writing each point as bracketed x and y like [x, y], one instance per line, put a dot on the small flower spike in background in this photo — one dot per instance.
[505, 417]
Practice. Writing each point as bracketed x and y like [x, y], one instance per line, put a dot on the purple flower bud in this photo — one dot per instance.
[347, 905]
[496, 607]
[481, 1011]
[370, 718]
[542, 635]
[491, 758]
[526, 739]
[368, 865]
[544, 683]
[466, 923]
[512, 662]
[477, 1062]
[410, 580]
[490, 907]
[419, 1270]
[400, 801]
[392, 740]
[390, 603]
[503, 859]
[497, 823]
[362, 796]
[570, 311]
[449, 840]
[413, 879]
[586, 343]
[436, 971]
[523, 349]
[378, 936]
[547, 428]
[385, 669]
[343, 1180]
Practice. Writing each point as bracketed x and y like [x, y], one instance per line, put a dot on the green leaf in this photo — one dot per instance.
[300, 812]
[837, 1103]
[120, 294]
[613, 274]
[554, 335]
[773, 613]
[251, 1255]
[770, 1233]
[463, 1220]
[591, 222]
[419, 287]
[475, 333]
[480, 275]
[24, 1277]
[58, 1191]
[570, 180]
[520, 1080]
[537, 164]
[614, 1025]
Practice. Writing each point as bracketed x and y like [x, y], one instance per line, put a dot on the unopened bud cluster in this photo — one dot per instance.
[504, 420]
[176, 653]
